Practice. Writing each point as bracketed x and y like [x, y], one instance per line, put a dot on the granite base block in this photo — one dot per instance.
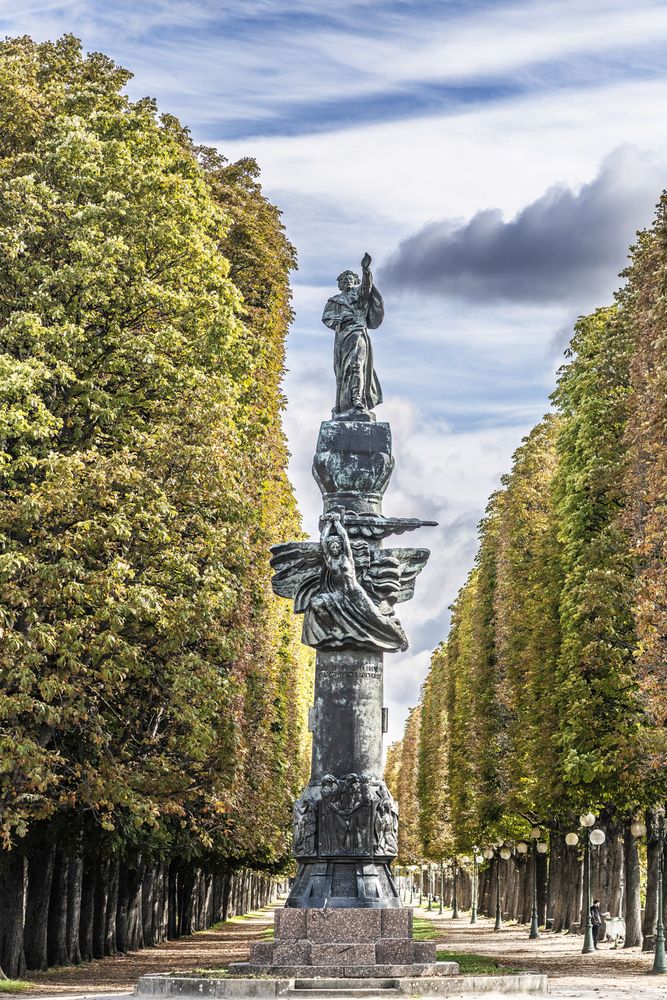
[290, 924]
[335, 941]
[396, 923]
[292, 953]
[261, 952]
[424, 951]
[342, 954]
[343, 926]
[395, 952]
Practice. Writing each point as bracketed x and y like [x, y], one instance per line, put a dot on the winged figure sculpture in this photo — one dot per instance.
[345, 589]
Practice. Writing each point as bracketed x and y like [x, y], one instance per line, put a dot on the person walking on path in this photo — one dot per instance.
[596, 921]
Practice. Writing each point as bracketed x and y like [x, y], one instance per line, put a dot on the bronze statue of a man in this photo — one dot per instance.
[357, 309]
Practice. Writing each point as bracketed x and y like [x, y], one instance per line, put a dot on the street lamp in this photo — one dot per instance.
[659, 964]
[542, 848]
[596, 838]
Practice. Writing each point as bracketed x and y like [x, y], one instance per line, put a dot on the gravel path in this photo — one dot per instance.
[609, 974]
[211, 949]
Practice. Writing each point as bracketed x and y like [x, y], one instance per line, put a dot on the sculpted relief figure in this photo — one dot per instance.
[357, 309]
[385, 827]
[304, 825]
[344, 814]
[342, 613]
[346, 591]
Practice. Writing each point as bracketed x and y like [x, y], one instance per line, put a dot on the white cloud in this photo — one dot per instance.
[417, 170]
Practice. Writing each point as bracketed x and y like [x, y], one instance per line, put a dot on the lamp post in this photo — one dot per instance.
[535, 836]
[542, 848]
[596, 838]
[522, 849]
[659, 964]
[498, 852]
[455, 902]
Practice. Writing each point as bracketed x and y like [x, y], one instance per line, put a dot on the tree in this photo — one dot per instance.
[152, 695]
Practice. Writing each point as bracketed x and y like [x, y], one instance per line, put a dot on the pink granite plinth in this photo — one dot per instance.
[330, 942]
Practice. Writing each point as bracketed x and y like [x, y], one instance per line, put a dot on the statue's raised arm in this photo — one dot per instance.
[356, 309]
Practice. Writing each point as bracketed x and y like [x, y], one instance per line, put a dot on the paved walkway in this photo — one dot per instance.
[607, 975]
[229, 942]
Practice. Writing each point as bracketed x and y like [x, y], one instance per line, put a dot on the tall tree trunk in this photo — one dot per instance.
[631, 897]
[87, 918]
[651, 911]
[57, 919]
[172, 904]
[226, 893]
[148, 890]
[135, 927]
[121, 912]
[110, 946]
[186, 885]
[74, 890]
[12, 896]
[40, 874]
[101, 900]
[566, 870]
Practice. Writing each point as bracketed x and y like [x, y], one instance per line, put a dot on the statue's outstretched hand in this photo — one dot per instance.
[366, 261]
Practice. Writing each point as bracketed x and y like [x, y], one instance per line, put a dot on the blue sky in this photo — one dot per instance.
[495, 158]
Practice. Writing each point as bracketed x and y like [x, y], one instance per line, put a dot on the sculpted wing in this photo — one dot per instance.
[297, 569]
[392, 573]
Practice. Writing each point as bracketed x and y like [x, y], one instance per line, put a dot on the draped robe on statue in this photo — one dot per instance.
[356, 381]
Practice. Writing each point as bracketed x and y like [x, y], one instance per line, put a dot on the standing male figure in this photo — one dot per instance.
[357, 309]
[596, 921]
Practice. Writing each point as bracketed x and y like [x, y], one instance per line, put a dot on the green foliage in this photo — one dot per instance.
[151, 683]
[548, 697]
[645, 519]
[401, 775]
[599, 712]
[433, 776]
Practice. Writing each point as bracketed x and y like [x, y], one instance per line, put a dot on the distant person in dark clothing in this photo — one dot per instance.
[596, 921]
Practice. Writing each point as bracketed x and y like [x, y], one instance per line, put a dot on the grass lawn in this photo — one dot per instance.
[469, 964]
[15, 985]
[475, 965]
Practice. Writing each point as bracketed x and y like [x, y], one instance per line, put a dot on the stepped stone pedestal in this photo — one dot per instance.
[343, 943]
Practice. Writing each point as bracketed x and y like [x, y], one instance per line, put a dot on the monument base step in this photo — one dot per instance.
[342, 988]
[311, 986]
[373, 972]
[336, 985]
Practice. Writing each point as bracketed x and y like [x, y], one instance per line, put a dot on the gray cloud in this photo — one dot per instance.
[567, 246]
